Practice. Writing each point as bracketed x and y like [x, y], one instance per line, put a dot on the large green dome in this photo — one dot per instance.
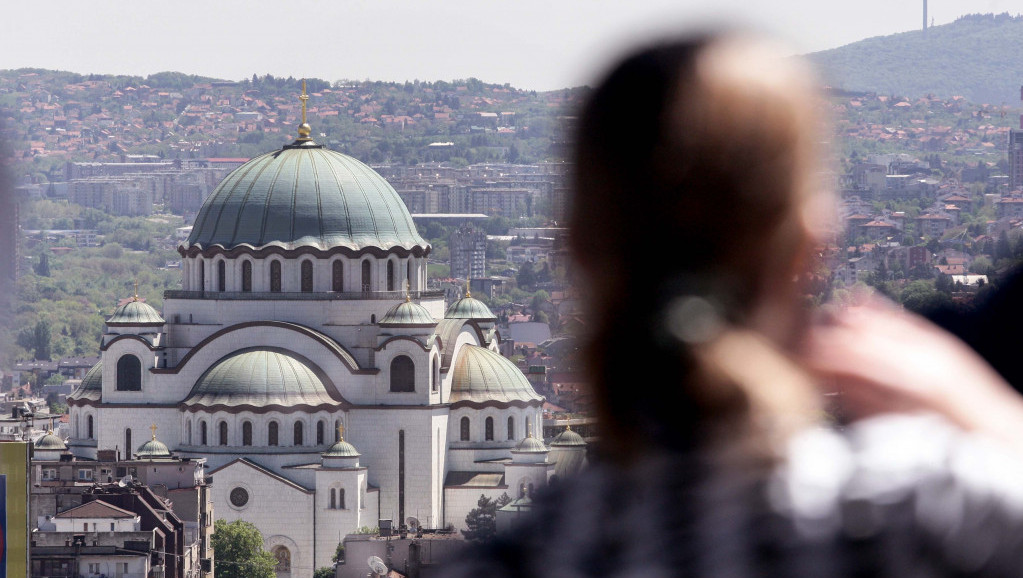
[260, 377]
[304, 195]
[481, 376]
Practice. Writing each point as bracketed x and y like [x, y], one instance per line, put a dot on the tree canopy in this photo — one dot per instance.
[481, 522]
[239, 552]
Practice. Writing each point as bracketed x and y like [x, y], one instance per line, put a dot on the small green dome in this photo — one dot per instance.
[482, 375]
[135, 312]
[92, 384]
[50, 442]
[530, 444]
[568, 438]
[153, 448]
[469, 307]
[341, 449]
[408, 313]
[304, 195]
[260, 377]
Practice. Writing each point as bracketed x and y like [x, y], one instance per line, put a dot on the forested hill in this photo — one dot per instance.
[979, 56]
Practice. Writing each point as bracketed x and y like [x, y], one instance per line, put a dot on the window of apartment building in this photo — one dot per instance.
[85, 475]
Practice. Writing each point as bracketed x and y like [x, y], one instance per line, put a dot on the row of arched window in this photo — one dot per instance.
[465, 429]
[203, 436]
[306, 276]
[337, 499]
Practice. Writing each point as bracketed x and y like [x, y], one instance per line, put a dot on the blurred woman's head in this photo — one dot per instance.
[695, 167]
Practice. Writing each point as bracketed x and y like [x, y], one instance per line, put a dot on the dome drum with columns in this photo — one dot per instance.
[305, 358]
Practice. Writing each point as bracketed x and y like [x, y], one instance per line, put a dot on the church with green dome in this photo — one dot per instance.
[305, 357]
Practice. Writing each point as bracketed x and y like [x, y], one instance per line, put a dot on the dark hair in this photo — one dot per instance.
[690, 173]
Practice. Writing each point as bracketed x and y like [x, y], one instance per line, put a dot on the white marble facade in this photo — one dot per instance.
[259, 373]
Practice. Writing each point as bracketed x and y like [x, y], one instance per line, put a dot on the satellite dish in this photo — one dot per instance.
[377, 565]
[413, 524]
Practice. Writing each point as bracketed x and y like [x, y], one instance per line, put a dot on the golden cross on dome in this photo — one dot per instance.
[408, 291]
[136, 290]
[468, 282]
[303, 98]
[153, 428]
[340, 432]
[304, 130]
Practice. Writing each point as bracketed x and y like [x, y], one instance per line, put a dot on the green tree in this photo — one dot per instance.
[42, 268]
[239, 551]
[324, 572]
[339, 553]
[481, 522]
[526, 278]
[41, 341]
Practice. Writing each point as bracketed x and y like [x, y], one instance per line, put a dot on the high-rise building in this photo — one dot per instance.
[468, 248]
[1015, 153]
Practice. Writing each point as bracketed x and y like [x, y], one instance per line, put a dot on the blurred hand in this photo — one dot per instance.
[884, 359]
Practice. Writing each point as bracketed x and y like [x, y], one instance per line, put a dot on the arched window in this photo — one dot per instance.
[223, 433]
[88, 428]
[511, 428]
[129, 373]
[298, 434]
[488, 429]
[275, 276]
[365, 276]
[221, 276]
[403, 374]
[188, 432]
[127, 443]
[408, 272]
[341, 498]
[202, 275]
[271, 434]
[203, 437]
[337, 276]
[319, 433]
[333, 499]
[434, 375]
[246, 433]
[307, 276]
[464, 426]
[390, 276]
[246, 276]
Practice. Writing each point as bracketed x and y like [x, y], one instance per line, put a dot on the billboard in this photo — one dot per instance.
[14, 509]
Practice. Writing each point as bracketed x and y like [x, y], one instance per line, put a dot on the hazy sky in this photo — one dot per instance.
[538, 44]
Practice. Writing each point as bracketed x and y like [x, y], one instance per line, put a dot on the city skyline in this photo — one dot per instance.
[529, 44]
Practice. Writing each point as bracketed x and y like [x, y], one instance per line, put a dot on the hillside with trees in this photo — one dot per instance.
[977, 56]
